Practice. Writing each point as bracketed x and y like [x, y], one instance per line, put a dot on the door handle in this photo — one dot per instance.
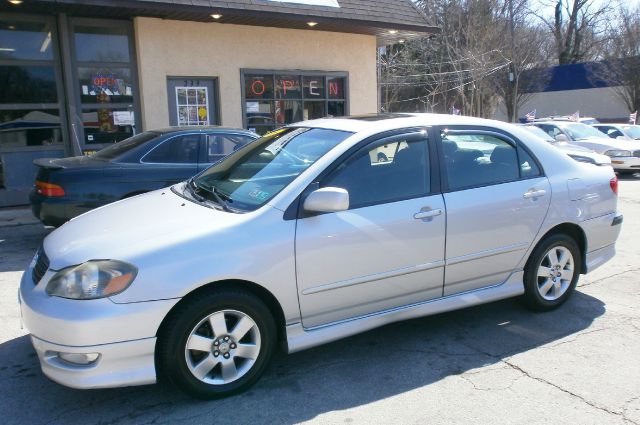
[534, 193]
[427, 214]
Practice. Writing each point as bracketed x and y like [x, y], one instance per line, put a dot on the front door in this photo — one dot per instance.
[387, 250]
[497, 199]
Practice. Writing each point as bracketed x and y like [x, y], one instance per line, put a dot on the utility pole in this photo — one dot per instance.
[513, 79]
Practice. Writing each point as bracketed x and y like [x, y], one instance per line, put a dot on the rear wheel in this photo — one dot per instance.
[217, 344]
[552, 272]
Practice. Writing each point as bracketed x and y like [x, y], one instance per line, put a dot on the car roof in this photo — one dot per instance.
[199, 129]
[381, 122]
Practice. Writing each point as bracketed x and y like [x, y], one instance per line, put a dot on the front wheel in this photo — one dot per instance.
[552, 272]
[217, 344]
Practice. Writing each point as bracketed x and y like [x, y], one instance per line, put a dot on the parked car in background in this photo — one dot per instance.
[624, 154]
[569, 118]
[67, 187]
[579, 153]
[302, 238]
[619, 131]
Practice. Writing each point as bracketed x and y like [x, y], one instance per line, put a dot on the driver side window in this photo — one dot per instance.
[384, 171]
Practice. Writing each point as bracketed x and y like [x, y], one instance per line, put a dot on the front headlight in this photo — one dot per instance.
[93, 279]
[616, 152]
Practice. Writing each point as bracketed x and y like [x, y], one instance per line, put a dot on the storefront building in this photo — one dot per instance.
[76, 75]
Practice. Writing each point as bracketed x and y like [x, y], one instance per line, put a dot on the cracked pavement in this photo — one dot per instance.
[497, 363]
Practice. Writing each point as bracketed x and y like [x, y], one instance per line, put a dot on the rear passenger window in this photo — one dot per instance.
[177, 150]
[528, 167]
[383, 172]
[480, 160]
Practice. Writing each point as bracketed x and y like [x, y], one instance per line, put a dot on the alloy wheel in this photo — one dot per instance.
[223, 347]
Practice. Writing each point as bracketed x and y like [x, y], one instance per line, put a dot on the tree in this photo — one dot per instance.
[578, 28]
[621, 68]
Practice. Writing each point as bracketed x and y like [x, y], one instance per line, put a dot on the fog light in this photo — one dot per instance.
[79, 358]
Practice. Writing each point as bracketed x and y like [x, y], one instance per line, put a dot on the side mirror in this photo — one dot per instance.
[561, 138]
[327, 199]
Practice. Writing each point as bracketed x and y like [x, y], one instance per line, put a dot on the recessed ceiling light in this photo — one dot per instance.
[393, 31]
[216, 16]
[12, 27]
[312, 24]
[15, 1]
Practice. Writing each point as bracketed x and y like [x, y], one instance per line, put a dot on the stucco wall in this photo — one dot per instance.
[603, 103]
[176, 48]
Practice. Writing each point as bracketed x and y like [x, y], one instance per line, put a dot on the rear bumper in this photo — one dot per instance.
[57, 211]
[602, 233]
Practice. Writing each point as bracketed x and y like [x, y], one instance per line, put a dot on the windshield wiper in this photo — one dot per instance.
[193, 186]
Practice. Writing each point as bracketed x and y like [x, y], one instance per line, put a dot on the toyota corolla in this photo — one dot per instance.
[305, 237]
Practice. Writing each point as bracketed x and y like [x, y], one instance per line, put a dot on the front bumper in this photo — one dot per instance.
[625, 163]
[123, 335]
[118, 365]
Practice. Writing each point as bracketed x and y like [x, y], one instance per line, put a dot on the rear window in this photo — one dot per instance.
[118, 149]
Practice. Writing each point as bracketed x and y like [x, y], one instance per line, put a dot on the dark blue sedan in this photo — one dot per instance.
[151, 160]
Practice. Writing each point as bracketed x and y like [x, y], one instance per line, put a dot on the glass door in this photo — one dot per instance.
[31, 112]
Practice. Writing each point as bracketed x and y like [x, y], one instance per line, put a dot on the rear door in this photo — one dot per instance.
[387, 250]
[497, 198]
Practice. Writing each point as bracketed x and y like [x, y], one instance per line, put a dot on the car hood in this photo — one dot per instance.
[605, 144]
[134, 227]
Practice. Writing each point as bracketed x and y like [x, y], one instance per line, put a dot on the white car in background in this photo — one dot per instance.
[303, 237]
[619, 131]
[579, 153]
[624, 154]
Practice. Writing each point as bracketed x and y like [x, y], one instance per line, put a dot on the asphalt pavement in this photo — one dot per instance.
[497, 363]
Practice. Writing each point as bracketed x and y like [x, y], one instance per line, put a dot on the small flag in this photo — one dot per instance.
[531, 116]
[633, 117]
[575, 117]
[455, 111]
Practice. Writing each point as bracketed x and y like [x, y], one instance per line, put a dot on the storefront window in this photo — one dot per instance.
[106, 125]
[107, 92]
[258, 86]
[101, 44]
[25, 128]
[28, 84]
[274, 99]
[25, 40]
[105, 85]
[193, 105]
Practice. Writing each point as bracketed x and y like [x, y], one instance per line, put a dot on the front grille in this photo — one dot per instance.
[41, 267]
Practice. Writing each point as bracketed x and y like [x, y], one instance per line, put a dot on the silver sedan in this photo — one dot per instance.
[304, 237]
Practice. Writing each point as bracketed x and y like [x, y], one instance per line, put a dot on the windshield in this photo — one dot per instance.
[124, 146]
[252, 176]
[632, 130]
[540, 133]
[579, 131]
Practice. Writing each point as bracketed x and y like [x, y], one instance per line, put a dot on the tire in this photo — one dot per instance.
[557, 279]
[204, 370]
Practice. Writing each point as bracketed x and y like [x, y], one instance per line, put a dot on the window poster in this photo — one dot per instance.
[192, 104]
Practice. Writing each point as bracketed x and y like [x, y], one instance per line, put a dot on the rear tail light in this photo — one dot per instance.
[614, 184]
[49, 189]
